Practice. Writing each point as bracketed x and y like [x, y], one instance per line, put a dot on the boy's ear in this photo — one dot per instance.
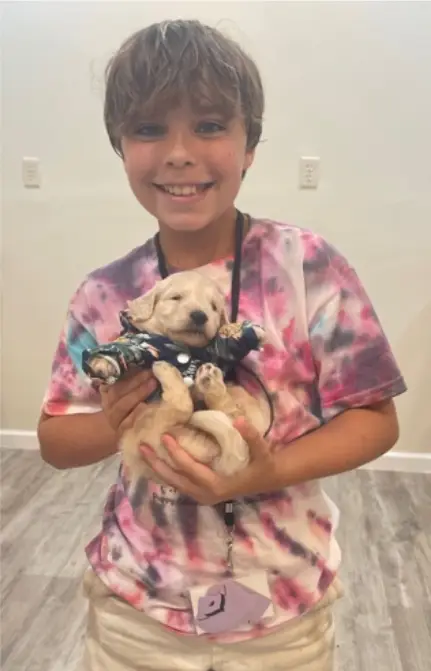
[248, 161]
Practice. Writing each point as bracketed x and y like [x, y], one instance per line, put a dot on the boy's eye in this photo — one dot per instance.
[150, 130]
[210, 127]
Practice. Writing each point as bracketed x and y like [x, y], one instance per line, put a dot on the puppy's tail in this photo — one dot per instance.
[234, 453]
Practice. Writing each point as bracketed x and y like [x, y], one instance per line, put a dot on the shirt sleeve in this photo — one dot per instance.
[354, 361]
[69, 390]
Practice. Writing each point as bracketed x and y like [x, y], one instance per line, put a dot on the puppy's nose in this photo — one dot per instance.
[198, 317]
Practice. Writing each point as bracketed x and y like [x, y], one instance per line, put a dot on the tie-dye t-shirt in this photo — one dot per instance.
[325, 353]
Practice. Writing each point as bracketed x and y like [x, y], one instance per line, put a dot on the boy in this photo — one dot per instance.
[183, 110]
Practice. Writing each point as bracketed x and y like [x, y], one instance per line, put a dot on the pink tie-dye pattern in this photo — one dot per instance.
[290, 596]
[325, 352]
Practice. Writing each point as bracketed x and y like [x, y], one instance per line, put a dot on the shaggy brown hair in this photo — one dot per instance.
[172, 62]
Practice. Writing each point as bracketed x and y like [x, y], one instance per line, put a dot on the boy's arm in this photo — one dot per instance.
[69, 441]
[348, 441]
[80, 425]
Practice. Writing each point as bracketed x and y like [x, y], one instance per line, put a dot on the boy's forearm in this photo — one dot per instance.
[71, 441]
[350, 440]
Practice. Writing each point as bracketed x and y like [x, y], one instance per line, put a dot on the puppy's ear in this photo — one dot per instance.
[141, 309]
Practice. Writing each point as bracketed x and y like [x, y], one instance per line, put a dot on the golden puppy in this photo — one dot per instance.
[189, 308]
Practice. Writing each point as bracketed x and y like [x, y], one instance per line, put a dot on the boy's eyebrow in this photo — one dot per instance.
[209, 107]
[225, 115]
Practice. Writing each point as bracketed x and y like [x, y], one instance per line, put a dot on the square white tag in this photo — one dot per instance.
[232, 604]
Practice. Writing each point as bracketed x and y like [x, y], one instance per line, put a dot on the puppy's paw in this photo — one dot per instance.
[104, 368]
[174, 391]
[209, 379]
[165, 373]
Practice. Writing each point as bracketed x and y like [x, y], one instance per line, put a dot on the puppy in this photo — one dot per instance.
[188, 307]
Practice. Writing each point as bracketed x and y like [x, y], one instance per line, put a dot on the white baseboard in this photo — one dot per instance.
[18, 440]
[407, 462]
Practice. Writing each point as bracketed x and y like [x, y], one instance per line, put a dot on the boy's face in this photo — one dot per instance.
[186, 169]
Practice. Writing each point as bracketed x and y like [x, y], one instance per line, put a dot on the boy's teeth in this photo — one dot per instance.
[181, 190]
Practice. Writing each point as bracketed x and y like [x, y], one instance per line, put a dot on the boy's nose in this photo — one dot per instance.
[180, 152]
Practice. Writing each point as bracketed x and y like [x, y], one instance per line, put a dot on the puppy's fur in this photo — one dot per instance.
[172, 308]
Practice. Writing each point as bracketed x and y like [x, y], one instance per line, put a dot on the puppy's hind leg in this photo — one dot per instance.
[233, 454]
[210, 384]
[218, 420]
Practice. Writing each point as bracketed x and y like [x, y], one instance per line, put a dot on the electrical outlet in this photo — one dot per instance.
[31, 172]
[309, 172]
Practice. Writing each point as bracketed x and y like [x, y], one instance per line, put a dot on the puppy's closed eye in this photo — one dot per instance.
[214, 306]
[176, 297]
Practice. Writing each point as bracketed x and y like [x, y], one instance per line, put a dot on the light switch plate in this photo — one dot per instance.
[309, 172]
[31, 172]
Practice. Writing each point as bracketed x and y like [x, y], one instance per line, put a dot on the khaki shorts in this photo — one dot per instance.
[120, 638]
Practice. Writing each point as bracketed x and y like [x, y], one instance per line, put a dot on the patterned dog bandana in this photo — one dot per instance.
[141, 349]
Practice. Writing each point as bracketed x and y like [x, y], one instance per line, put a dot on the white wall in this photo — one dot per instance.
[350, 82]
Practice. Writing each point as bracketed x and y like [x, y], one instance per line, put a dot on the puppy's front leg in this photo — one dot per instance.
[159, 417]
[176, 406]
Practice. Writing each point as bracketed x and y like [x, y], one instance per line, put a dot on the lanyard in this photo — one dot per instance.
[229, 515]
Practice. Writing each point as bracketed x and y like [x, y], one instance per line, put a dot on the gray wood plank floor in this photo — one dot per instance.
[384, 621]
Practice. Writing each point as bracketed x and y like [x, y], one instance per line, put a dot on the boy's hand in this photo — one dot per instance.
[122, 400]
[201, 483]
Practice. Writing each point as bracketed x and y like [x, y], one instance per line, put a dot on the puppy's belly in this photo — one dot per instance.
[221, 449]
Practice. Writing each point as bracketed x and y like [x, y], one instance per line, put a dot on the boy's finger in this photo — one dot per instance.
[247, 430]
[133, 380]
[183, 461]
[129, 383]
[129, 420]
[135, 391]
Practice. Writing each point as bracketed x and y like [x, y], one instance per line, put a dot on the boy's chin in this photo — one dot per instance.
[185, 223]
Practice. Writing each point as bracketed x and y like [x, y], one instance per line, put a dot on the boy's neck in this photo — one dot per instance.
[185, 250]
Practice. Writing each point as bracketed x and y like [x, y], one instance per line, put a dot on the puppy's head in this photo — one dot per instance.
[187, 307]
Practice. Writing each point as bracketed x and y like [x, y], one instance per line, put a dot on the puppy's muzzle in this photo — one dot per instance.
[198, 318]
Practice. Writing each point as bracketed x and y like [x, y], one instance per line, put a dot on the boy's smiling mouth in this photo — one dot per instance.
[184, 190]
